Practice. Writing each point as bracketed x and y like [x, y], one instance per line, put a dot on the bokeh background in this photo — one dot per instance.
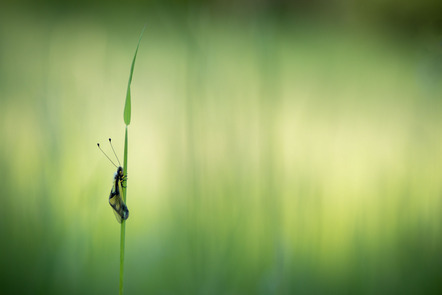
[276, 147]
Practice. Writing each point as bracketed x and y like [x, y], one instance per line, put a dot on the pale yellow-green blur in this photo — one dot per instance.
[264, 158]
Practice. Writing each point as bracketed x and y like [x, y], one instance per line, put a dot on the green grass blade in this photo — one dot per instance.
[127, 117]
[127, 105]
[122, 241]
[123, 223]
[125, 165]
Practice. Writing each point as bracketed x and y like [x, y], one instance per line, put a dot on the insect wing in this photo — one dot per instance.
[117, 215]
[116, 202]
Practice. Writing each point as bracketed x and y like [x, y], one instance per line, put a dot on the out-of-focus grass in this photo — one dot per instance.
[266, 158]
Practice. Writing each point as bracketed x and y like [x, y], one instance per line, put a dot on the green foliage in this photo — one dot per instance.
[127, 105]
[127, 117]
[123, 223]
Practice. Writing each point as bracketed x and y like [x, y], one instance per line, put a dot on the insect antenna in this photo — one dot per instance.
[106, 155]
[114, 151]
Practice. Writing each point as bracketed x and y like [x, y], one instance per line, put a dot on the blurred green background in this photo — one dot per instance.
[276, 147]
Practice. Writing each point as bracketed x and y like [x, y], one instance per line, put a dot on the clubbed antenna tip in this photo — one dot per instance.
[107, 155]
[114, 151]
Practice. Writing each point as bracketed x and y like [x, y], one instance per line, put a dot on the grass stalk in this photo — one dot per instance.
[123, 223]
[127, 118]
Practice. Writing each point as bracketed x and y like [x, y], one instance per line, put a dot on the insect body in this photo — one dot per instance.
[115, 197]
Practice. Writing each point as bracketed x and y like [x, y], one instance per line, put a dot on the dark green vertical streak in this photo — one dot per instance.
[193, 103]
[270, 102]
[123, 223]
